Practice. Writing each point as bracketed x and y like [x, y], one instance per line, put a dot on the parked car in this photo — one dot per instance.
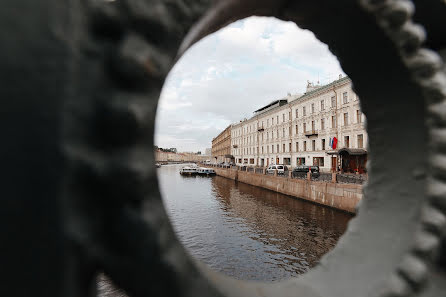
[303, 169]
[281, 169]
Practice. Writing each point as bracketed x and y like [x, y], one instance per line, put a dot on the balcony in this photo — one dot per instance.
[260, 129]
[311, 133]
[235, 146]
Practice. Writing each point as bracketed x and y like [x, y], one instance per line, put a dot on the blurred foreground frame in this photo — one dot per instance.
[80, 82]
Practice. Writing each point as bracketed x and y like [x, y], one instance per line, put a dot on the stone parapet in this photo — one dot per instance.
[340, 196]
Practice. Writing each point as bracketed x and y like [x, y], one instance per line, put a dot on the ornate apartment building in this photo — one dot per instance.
[221, 147]
[323, 127]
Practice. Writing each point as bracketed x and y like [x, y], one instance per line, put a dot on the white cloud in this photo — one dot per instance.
[231, 73]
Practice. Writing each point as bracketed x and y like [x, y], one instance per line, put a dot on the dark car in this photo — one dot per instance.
[302, 170]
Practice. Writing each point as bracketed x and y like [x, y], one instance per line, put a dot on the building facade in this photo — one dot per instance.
[323, 127]
[221, 147]
[166, 157]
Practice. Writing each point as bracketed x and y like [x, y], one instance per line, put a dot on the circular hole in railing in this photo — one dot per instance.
[255, 221]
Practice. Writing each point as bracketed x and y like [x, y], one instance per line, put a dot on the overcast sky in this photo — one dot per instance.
[229, 74]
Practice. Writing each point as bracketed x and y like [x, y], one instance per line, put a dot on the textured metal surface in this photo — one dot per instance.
[80, 85]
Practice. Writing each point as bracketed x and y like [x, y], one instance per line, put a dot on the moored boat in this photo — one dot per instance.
[188, 170]
[205, 171]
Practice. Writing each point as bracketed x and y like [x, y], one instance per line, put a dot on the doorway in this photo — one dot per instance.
[334, 162]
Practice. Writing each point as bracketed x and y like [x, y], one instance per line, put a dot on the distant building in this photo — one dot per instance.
[168, 156]
[323, 127]
[221, 147]
[208, 152]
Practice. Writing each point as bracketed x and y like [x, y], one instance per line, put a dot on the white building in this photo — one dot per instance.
[300, 129]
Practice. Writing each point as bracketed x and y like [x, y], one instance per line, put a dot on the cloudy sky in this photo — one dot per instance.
[229, 74]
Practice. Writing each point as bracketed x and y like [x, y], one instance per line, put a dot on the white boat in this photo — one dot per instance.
[205, 171]
[188, 170]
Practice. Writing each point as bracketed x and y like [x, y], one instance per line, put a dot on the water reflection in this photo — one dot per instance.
[248, 232]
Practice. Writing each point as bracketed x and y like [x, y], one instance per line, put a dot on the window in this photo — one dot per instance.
[283, 118]
[360, 141]
[283, 148]
[322, 105]
[346, 119]
[333, 122]
[286, 161]
[322, 124]
[312, 107]
[262, 149]
[305, 145]
[277, 134]
[358, 116]
[277, 120]
[313, 145]
[272, 149]
[272, 121]
[304, 112]
[297, 146]
[312, 126]
[278, 148]
[300, 161]
[305, 127]
[283, 132]
[297, 129]
[333, 101]
[347, 141]
[251, 161]
[267, 135]
[289, 131]
[323, 144]
[267, 149]
[289, 116]
[267, 123]
[318, 161]
[297, 113]
[345, 98]
[289, 147]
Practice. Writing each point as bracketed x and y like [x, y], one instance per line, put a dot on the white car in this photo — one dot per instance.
[281, 169]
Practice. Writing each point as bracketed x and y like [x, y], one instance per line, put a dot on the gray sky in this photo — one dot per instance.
[229, 74]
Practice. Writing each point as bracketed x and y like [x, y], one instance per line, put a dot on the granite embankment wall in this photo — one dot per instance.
[341, 196]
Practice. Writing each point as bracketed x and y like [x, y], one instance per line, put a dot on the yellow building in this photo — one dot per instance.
[221, 147]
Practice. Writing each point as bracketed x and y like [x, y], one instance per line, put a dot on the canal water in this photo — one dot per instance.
[248, 232]
[243, 231]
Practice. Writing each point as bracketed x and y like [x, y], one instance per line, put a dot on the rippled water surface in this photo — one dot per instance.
[248, 232]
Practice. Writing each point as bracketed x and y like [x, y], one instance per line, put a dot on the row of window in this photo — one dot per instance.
[323, 146]
[249, 140]
[317, 161]
[251, 128]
